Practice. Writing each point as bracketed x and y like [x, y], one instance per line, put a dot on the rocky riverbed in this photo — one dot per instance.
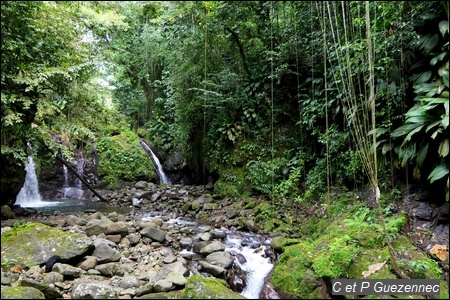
[175, 242]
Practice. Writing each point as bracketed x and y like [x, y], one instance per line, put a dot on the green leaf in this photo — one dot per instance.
[412, 132]
[432, 125]
[438, 172]
[444, 122]
[423, 77]
[443, 27]
[386, 147]
[421, 119]
[437, 58]
[422, 154]
[443, 148]
[404, 129]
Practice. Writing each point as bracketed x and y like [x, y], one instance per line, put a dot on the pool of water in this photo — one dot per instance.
[74, 206]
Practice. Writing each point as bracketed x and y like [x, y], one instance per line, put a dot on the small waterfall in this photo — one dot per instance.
[29, 194]
[162, 175]
[66, 176]
[74, 190]
[256, 266]
[80, 169]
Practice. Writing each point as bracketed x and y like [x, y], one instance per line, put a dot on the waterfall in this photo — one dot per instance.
[74, 191]
[80, 169]
[162, 175]
[29, 194]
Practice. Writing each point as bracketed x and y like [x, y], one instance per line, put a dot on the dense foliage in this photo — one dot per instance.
[260, 95]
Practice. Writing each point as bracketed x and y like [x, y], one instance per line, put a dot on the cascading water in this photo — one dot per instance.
[162, 175]
[74, 190]
[29, 194]
[255, 264]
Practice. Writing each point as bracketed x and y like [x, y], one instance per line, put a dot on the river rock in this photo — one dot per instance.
[163, 285]
[222, 258]
[176, 278]
[49, 292]
[85, 289]
[212, 247]
[104, 253]
[237, 283]
[116, 228]
[7, 213]
[21, 292]
[40, 246]
[109, 269]
[214, 270]
[141, 185]
[67, 270]
[52, 277]
[96, 226]
[185, 242]
[128, 281]
[198, 287]
[154, 233]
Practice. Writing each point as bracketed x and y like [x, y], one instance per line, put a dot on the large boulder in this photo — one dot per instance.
[199, 287]
[21, 292]
[34, 243]
[85, 289]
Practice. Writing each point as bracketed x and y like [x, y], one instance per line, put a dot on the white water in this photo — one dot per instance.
[73, 192]
[161, 173]
[29, 194]
[256, 266]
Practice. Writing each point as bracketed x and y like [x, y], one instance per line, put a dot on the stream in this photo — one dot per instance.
[251, 252]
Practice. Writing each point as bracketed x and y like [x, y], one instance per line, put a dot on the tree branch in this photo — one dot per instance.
[241, 48]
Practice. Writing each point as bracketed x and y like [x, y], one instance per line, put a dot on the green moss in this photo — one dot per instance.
[122, 158]
[199, 287]
[232, 183]
[186, 207]
[250, 204]
[279, 243]
[17, 292]
[370, 257]
[293, 275]
[25, 243]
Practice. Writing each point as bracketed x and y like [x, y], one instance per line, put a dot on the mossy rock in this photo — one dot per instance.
[368, 258]
[232, 183]
[21, 292]
[186, 207]
[199, 287]
[168, 295]
[292, 275]
[262, 208]
[121, 158]
[279, 242]
[34, 243]
[250, 205]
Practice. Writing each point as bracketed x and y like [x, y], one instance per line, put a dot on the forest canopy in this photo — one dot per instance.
[280, 98]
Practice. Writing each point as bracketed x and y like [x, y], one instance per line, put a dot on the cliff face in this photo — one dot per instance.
[12, 179]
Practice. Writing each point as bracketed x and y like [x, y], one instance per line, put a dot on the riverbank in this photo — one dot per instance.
[345, 227]
[157, 247]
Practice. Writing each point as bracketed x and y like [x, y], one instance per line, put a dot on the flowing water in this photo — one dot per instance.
[251, 246]
[75, 190]
[162, 175]
[29, 194]
[256, 266]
